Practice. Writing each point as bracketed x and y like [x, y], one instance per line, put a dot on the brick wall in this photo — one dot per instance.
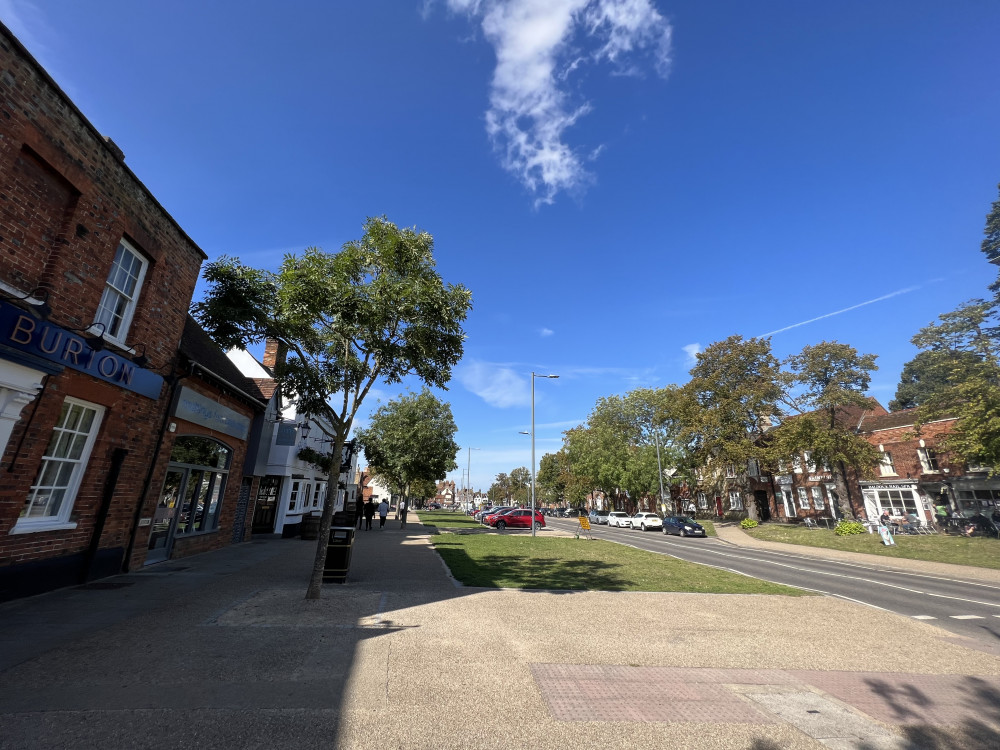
[66, 200]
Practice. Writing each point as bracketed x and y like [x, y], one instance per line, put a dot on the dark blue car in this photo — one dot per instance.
[682, 526]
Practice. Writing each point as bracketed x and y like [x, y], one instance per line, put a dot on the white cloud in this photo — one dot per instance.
[546, 332]
[497, 386]
[539, 44]
[692, 351]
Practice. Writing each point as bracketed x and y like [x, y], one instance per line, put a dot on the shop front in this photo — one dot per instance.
[896, 498]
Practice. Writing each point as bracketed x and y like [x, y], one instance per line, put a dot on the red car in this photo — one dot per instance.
[517, 519]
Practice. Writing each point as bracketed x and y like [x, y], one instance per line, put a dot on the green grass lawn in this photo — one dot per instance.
[446, 519]
[519, 561]
[979, 551]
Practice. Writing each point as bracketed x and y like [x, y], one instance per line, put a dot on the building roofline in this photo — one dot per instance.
[105, 142]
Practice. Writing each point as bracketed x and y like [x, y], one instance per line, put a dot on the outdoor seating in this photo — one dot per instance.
[810, 524]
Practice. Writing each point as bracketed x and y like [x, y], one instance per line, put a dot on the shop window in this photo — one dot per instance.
[53, 492]
[207, 464]
[293, 496]
[803, 498]
[817, 493]
[886, 467]
[317, 492]
[928, 460]
[121, 291]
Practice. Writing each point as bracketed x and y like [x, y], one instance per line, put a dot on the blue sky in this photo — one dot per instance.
[619, 182]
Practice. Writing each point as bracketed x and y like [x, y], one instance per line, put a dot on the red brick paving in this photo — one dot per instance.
[580, 692]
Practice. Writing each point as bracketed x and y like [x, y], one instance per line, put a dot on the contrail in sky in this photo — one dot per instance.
[846, 309]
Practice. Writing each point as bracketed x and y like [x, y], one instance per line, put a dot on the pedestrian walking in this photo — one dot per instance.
[403, 507]
[383, 511]
[369, 514]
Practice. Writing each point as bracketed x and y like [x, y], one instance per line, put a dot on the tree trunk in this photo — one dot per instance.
[325, 521]
[840, 480]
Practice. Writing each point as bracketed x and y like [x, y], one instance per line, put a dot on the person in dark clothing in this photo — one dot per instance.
[369, 514]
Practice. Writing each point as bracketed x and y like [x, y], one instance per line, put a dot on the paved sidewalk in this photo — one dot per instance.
[733, 534]
[222, 651]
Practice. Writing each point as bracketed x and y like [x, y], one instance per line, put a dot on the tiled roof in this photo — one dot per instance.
[266, 386]
[198, 347]
[903, 418]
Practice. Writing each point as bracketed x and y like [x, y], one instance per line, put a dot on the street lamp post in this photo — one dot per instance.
[533, 376]
[659, 469]
[468, 478]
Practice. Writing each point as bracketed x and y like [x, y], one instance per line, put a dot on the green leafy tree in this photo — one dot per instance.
[734, 396]
[499, 491]
[930, 373]
[423, 490]
[377, 311]
[411, 439]
[832, 380]
[973, 396]
[991, 242]
[550, 481]
[520, 486]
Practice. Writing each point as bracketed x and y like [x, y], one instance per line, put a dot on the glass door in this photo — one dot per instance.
[164, 525]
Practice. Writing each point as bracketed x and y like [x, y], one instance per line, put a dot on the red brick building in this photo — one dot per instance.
[916, 473]
[95, 281]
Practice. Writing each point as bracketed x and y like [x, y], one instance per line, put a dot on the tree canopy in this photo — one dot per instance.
[411, 439]
[376, 311]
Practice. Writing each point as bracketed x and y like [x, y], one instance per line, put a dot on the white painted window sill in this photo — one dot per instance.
[34, 527]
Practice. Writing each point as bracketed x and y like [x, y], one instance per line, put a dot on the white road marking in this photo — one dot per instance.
[927, 617]
[967, 617]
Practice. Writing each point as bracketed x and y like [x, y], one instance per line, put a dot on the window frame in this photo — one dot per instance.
[128, 315]
[803, 498]
[928, 461]
[886, 467]
[735, 500]
[817, 498]
[61, 520]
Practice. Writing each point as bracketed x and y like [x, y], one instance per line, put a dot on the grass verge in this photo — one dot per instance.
[980, 552]
[446, 519]
[516, 561]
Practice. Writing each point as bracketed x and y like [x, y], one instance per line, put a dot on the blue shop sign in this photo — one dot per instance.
[19, 330]
[199, 409]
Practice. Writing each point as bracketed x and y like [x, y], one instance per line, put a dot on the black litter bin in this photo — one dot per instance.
[338, 554]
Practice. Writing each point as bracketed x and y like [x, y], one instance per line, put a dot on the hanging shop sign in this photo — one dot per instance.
[21, 331]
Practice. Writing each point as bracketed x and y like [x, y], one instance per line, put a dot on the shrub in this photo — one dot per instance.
[747, 523]
[846, 528]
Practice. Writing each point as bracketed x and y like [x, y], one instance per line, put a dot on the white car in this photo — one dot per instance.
[645, 521]
[617, 518]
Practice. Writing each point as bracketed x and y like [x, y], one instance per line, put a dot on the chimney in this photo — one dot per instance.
[274, 352]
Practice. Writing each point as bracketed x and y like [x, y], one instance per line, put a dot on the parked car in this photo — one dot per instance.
[494, 513]
[434, 506]
[620, 519]
[598, 516]
[489, 511]
[643, 521]
[682, 526]
[517, 519]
